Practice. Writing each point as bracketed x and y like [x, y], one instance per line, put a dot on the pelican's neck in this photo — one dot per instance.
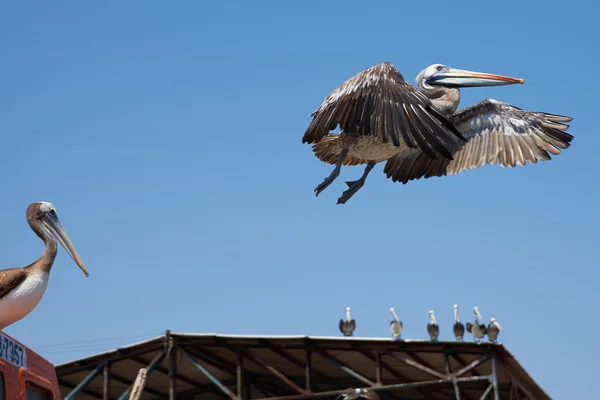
[44, 263]
[456, 315]
[432, 319]
[348, 315]
[445, 100]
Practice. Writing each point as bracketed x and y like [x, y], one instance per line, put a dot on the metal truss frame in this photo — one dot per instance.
[446, 384]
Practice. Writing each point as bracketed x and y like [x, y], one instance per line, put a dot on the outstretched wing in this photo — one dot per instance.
[500, 132]
[496, 133]
[379, 102]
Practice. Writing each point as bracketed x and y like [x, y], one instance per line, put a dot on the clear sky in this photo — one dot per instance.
[168, 136]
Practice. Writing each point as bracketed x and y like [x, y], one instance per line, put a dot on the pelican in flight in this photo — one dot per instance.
[353, 394]
[348, 325]
[21, 289]
[419, 133]
[395, 325]
[493, 329]
[459, 327]
[432, 327]
[477, 329]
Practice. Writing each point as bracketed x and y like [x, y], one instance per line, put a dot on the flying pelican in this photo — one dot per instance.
[418, 132]
[352, 394]
[477, 329]
[347, 326]
[395, 325]
[493, 329]
[432, 327]
[459, 327]
[21, 289]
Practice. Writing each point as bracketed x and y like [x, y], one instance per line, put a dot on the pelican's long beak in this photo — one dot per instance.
[55, 227]
[462, 78]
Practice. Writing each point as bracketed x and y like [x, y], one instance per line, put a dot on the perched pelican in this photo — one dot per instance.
[477, 329]
[493, 329]
[432, 327]
[418, 131]
[352, 394]
[459, 327]
[395, 325]
[21, 289]
[347, 326]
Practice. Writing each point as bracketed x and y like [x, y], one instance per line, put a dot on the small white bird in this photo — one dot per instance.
[477, 329]
[493, 329]
[395, 325]
[432, 327]
[459, 327]
[352, 394]
[347, 326]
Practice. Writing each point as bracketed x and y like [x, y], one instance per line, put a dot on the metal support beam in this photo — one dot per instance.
[474, 364]
[494, 378]
[89, 392]
[240, 375]
[214, 380]
[219, 362]
[106, 385]
[487, 392]
[344, 368]
[410, 385]
[273, 370]
[417, 365]
[120, 355]
[128, 382]
[84, 382]
[156, 360]
[172, 355]
[378, 377]
[307, 369]
[390, 369]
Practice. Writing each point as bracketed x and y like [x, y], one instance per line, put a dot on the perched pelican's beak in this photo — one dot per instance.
[462, 78]
[52, 223]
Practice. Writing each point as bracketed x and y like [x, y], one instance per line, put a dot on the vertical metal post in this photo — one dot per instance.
[495, 377]
[378, 378]
[240, 374]
[172, 354]
[106, 390]
[307, 369]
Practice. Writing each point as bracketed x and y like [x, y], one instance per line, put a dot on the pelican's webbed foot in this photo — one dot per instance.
[334, 174]
[354, 186]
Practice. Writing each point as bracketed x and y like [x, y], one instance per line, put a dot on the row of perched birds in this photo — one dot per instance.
[477, 328]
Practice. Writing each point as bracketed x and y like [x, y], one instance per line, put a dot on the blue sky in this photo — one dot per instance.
[168, 136]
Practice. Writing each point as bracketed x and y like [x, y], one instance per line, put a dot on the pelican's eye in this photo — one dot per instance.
[439, 67]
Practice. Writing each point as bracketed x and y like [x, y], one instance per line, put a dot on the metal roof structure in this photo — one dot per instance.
[235, 367]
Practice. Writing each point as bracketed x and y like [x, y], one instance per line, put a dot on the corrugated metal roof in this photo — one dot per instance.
[286, 354]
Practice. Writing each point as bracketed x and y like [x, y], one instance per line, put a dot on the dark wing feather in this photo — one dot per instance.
[496, 133]
[379, 102]
[10, 279]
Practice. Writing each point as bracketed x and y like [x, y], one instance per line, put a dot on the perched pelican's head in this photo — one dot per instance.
[348, 309]
[456, 306]
[45, 215]
[441, 75]
[493, 321]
